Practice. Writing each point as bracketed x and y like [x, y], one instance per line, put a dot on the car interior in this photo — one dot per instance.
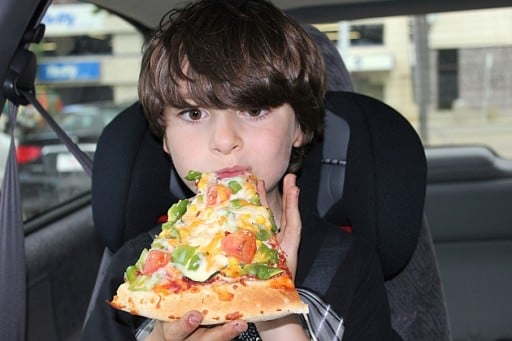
[439, 215]
[343, 168]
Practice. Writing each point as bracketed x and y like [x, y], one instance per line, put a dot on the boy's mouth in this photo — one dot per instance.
[230, 172]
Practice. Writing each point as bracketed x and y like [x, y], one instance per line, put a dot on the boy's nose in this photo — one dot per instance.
[225, 136]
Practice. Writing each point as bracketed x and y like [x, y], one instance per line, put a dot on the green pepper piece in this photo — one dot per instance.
[266, 255]
[274, 226]
[261, 271]
[255, 200]
[193, 175]
[140, 283]
[263, 234]
[194, 262]
[234, 186]
[182, 254]
[131, 273]
[236, 203]
[175, 213]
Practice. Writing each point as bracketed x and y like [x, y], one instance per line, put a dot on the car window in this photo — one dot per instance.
[448, 73]
[88, 64]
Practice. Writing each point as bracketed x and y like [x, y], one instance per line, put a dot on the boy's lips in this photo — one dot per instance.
[230, 172]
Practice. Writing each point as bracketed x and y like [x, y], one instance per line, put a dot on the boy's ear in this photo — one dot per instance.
[302, 138]
[164, 145]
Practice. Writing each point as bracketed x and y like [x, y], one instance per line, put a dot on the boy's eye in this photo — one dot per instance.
[256, 112]
[192, 114]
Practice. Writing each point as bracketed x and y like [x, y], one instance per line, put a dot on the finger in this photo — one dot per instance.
[225, 332]
[290, 203]
[288, 184]
[291, 228]
[182, 328]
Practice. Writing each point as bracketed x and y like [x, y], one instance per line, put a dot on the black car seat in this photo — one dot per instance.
[369, 174]
[418, 305]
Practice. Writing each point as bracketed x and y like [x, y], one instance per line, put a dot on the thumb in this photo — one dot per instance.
[182, 328]
[290, 221]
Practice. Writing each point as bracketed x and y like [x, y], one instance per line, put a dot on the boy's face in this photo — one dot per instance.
[206, 139]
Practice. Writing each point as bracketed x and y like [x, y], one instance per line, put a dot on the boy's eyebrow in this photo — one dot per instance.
[186, 105]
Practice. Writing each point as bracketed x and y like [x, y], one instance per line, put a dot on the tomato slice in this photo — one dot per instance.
[217, 194]
[241, 245]
[154, 261]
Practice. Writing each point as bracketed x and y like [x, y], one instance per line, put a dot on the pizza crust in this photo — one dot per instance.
[252, 301]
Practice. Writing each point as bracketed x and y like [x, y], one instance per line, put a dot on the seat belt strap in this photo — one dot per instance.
[12, 247]
[84, 160]
[106, 259]
[334, 161]
[330, 255]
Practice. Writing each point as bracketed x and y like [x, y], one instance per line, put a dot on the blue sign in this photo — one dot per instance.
[69, 71]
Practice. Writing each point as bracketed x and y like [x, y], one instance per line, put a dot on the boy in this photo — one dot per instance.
[234, 85]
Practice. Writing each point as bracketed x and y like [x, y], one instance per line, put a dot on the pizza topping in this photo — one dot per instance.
[131, 273]
[155, 259]
[186, 256]
[175, 212]
[234, 186]
[234, 316]
[217, 252]
[266, 255]
[217, 194]
[193, 175]
[224, 295]
[261, 271]
[241, 245]
[194, 265]
[143, 282]
[281, 282]
[223, 229]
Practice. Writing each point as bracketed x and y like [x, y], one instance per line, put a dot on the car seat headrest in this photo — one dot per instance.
[130, 182]
[338, 77]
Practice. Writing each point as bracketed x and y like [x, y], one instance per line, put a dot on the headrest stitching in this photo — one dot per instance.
[334, 162]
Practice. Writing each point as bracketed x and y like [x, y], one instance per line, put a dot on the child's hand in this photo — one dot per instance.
[288, 327]
[187, 328]
[291, 225]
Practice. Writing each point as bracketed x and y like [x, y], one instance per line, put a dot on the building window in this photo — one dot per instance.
[448, 72]
[365, 35]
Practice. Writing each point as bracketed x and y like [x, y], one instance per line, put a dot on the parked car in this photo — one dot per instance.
[445, 65]
[49, 173]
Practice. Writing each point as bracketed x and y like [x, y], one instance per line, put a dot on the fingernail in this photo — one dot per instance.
[240, 327]
[194, 319]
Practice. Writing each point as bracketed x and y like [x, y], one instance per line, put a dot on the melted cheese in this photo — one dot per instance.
[203, 226]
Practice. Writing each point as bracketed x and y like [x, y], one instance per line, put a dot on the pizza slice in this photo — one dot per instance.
[218, 253]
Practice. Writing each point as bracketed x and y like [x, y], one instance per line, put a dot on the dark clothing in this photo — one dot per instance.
[356, 290]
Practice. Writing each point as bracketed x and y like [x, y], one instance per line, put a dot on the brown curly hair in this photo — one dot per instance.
[238, 54]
